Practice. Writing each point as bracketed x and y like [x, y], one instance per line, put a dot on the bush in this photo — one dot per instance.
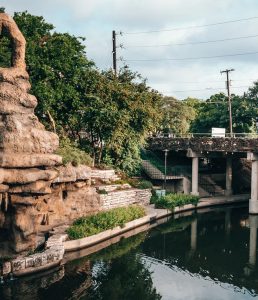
[170, 201]
[102, 192]
[72, 154]
[119, 181]
[140, 184]
[87, 226]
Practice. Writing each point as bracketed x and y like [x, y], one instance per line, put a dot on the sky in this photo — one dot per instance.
[170, 67]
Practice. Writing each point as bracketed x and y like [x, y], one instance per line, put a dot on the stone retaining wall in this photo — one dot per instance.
[125, 197]
[113, 187]
[104, 175]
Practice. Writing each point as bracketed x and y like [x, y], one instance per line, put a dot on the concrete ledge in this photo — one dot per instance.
[97, 238]
[203, 203]
[33, 270]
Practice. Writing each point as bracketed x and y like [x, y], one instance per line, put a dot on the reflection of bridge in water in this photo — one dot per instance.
[207, 147]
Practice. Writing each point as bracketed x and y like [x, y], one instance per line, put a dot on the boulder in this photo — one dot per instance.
[39, 187]
[24, 176]
[82, 172]
[66, 174]
[23, 160]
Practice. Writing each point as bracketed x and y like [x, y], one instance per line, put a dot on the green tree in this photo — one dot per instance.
[107, 116]
[177, 115]
[214, 113]
[120, 117]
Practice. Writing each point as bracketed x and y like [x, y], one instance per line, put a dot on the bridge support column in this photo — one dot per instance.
[194, 235]
[253, 203]
[228, 221]
[253, 222]
[195, 171]
[195, 176]
[228, 191]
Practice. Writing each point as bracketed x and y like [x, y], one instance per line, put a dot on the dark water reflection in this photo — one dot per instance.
[209, 255]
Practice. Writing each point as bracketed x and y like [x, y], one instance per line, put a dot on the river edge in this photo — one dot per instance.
[59, 251]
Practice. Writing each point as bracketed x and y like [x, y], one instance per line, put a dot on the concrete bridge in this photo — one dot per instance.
[197, 147]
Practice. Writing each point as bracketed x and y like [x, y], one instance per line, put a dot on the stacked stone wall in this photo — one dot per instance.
[125, 198]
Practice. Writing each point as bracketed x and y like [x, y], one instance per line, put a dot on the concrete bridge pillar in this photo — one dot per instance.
[194, 235]
[195, 176]
[228, 191]
[253, 203]
[228, 221]
[253, 222]
[195, 171]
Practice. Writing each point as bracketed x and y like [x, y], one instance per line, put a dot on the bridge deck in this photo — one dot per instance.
[209, 144]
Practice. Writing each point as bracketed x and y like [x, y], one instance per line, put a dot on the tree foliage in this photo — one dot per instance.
[214, 113]
[108, 116]
[177, 115]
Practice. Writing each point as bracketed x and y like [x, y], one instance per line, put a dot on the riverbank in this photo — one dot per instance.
[57, 245]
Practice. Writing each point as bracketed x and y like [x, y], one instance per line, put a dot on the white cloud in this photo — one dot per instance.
[95, 19]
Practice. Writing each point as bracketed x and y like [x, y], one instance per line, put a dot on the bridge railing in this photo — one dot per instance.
[246, 135]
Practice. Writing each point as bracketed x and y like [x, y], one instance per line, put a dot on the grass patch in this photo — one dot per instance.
[87, 226]
[170, 201]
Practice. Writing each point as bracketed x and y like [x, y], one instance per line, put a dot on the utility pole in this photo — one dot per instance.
[114, 51]
[165, 178]
[227, 71]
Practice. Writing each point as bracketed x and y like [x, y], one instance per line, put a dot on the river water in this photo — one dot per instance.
[206, 255]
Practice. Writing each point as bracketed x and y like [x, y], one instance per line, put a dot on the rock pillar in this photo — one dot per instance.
[228, 191]
[27, 149]
[253, 203]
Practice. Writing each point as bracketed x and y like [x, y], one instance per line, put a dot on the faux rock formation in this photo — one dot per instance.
[24, 142]
[27, 159]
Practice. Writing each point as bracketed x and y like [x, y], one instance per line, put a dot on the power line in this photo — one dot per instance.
[191, 27]
[214, 81]
[208, 89]
[191, 43]
[193, 58]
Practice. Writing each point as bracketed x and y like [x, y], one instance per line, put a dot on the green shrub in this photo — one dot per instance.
[170, 201]
[119, 181]
[140, 183]
[87, 226]
[72, 154]
[102, 192]
[154, 198]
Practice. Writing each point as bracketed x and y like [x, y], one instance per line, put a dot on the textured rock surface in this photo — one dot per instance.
[70, 173]
[24, 145]
[22, 136]
[24, 176]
